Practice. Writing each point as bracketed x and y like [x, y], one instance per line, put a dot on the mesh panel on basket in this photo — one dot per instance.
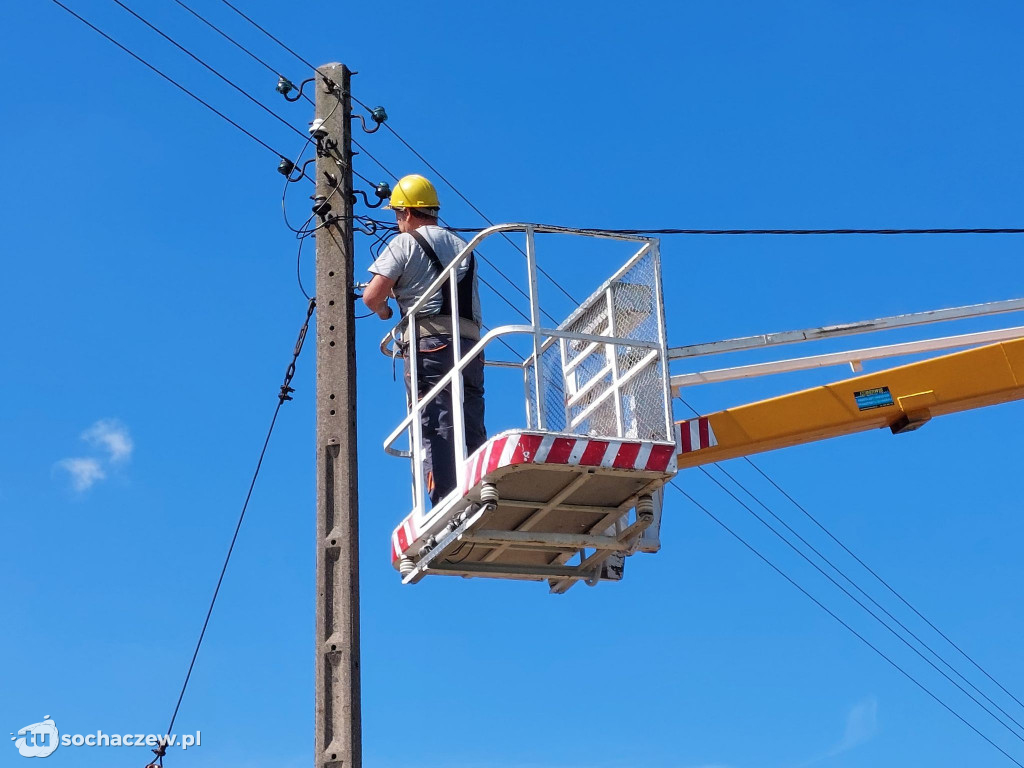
[554, 389]
[531, 397]
[643, 403]
[554, 392]
[593, 320]
[633, 296]
[578, 380]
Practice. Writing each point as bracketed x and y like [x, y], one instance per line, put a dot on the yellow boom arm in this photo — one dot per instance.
[901, 398]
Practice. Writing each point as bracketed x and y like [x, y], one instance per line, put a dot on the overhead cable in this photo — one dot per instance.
[935, 231]
[408, 145]
[871, 613]
[483, 258]
[268, 34]
[227, 37]
[853, 631]
[171, 80]
[482, 215]
[850, 580]
[882, 581]
[227, 80]
[878, 605]
[283, 395]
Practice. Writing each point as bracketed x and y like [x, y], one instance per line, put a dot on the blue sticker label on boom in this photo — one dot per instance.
[873, 398]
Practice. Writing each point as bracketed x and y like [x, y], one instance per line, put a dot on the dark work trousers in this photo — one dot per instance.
[433, 362]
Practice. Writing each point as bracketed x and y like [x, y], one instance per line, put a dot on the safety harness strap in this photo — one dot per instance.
[465, 288]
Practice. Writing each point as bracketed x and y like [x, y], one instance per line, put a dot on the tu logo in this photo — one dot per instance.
[38, 739]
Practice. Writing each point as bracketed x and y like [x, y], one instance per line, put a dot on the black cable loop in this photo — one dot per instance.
[300, 94]
[366, 200]
[302, 172]
[288, 180]
[298, 270]
[368, 228]
[376, 124]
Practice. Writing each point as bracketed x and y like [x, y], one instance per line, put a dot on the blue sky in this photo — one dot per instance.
[151, 307]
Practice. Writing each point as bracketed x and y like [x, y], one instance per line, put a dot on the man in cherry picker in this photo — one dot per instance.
[405, 269]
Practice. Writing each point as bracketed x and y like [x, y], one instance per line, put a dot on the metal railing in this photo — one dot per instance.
[607, 363]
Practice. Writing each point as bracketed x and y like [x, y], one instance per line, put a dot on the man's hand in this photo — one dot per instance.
[375, 296]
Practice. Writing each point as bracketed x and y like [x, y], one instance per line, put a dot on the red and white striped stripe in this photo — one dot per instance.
[695, 434]
[402, 538]
[516, 448]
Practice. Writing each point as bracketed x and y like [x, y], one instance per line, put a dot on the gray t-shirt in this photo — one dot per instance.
[405, 262]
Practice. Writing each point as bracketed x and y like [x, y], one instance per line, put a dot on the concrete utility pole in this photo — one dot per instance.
[338, 716]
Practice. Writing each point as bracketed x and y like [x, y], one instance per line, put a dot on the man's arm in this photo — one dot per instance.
[376, 294]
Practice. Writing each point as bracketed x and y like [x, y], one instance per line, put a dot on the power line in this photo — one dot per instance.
[860, 589]
[483, 280]
[835, 616]
[871, 613]
[283, 396]
[227, 37]
[656, 231]
[171, 80]
[851, 582]
[936, 231]
[884, 583]
[268, 34]
[483, 258]
[226, 79]
[976, 231]
[468, 202]
[383, 243]
[940, 231]
[238, 45]
[411, 148]
[487, 261]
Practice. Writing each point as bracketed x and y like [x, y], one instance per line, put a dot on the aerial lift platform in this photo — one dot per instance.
[577, 489]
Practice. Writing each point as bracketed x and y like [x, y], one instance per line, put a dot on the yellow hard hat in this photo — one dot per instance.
[413, 191]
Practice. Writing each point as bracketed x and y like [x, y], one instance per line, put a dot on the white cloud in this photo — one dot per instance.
[84, 472]
[112, 436]
[861, 727]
